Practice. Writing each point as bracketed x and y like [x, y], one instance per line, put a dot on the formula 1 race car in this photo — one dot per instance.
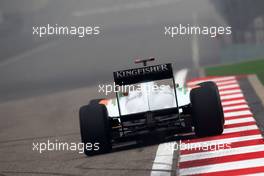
[153, 107]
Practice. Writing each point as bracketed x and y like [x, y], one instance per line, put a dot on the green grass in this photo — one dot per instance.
[249, 67]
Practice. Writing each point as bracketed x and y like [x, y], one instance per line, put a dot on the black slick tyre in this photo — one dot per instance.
[95, 129]
[207, 111]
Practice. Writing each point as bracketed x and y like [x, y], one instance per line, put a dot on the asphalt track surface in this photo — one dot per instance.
[245, 156]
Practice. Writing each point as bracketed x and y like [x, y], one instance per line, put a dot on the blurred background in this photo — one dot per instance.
[31, 66]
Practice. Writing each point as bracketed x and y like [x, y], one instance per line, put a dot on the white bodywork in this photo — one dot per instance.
[145, 100]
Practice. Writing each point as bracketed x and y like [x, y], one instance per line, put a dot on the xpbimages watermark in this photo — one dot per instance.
[107, 89]
[78, 31]
[212, 31]
[202, 146]
[57, 145]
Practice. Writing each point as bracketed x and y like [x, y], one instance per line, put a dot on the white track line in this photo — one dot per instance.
[233, 102]
[227, 97]
[26, 54]
[227, 82]
[242, 120]
[228, 87]
[164, 156]
[224, 92]
[238, 113]
[226, 140]
[240, 129]
[235, 107]
[221, 153]
[227, 78]
[223, 167]
[195, 45]
[163, 161]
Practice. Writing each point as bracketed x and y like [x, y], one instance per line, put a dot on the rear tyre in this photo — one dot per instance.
[95, 129]
[207, 110]
[214, 86]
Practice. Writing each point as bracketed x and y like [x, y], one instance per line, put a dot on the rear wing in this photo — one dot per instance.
[143, 74]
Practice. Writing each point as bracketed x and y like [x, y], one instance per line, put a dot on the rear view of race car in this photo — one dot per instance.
[165, 110]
